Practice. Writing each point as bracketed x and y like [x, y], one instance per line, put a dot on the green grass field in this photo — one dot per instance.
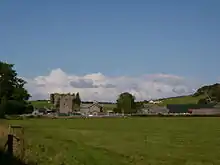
[41, 104]
[128, 141]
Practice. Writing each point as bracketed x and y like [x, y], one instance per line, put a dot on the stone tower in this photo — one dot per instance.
[64, 103]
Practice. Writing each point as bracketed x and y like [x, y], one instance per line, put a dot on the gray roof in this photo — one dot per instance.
[90, 105]
[85, 108]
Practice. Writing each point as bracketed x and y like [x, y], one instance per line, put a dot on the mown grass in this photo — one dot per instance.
[128, 141]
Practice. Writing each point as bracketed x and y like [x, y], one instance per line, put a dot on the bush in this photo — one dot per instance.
[203, 101]
[117, 110]
[2, 111]
[29, 108]
[13, 107]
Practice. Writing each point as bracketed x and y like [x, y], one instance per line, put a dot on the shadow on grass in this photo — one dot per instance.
[6, 159]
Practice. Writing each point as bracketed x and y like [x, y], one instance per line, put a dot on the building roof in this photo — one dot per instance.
[91, 105]
[95, 104]
[183, 108]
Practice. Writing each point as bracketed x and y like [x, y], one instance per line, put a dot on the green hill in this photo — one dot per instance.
[210, 91]
[205, 94]
[181, 100]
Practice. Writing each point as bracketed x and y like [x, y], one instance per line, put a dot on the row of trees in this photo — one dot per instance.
[13, 95]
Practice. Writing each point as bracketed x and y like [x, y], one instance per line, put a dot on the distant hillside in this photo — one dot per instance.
[175, 97]
[181, 100]
[211, 90]
[204, 95]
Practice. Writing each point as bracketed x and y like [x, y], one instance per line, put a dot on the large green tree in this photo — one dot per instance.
[77, 102]
[52, 98]
[11, 88]
[126, 103]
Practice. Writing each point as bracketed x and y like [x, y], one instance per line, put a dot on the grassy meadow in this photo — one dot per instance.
[122, 141]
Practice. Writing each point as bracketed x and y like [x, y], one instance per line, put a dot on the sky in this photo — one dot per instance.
[151, 48]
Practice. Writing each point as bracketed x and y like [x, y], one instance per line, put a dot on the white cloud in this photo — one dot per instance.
[99, 87]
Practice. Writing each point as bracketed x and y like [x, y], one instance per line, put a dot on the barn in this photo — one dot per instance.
[184, 108]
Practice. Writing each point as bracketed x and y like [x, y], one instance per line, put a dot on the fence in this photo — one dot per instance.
[14, 141]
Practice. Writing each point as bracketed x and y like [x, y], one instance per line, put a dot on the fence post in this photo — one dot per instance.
[16, 141]
[22, 143]
[10, 144]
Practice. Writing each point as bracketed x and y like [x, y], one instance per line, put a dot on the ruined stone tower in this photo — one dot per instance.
[64, 103]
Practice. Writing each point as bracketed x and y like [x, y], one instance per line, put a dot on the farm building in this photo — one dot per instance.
[183, 108]
[159, 110]
[205, 111]
[154, 102]
[155, 110]
[91, 109]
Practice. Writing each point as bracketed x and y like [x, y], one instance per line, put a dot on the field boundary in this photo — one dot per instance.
[108, 117]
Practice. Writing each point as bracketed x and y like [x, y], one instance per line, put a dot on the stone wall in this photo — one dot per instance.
[67, 103]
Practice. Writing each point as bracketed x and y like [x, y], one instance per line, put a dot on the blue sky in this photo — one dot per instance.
[122, 37]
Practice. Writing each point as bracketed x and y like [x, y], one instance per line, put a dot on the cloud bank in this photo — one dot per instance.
[99, 87]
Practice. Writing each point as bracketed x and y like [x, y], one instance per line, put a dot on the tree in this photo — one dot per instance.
[12, 89]
[52, 98]
[139, 105]
[116, 110]
[203, 101]
[57, 103]
[29, 108]
[216, 94]
[126, 103]
[77, 101]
